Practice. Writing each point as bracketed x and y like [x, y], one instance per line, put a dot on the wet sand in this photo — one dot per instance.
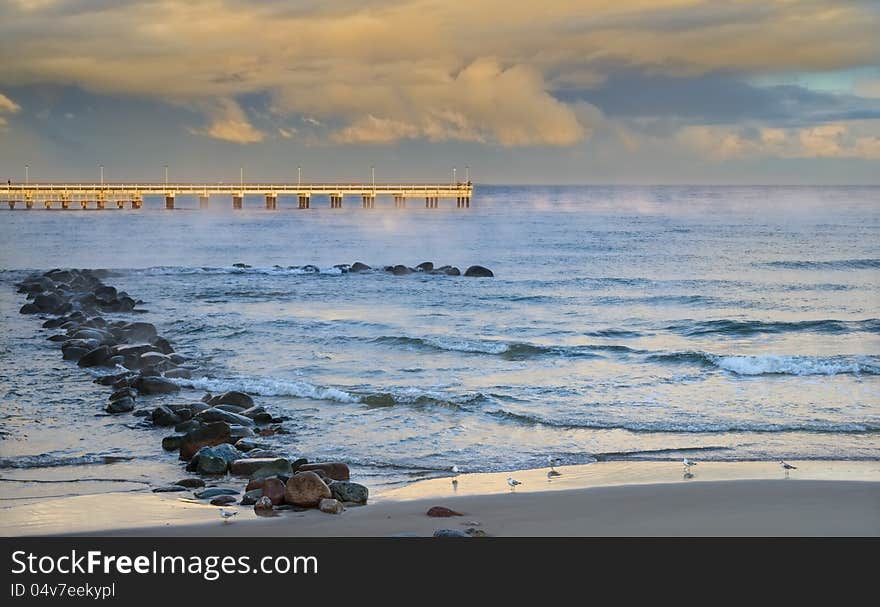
[613, 498]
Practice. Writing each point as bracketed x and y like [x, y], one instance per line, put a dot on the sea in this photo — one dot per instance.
[622, 323]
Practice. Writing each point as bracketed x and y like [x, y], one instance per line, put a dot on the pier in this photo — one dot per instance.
[109, 195]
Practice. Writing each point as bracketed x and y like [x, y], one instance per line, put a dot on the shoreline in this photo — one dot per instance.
[604, 498]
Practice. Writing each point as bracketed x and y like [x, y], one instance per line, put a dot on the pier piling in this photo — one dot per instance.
[271, 202]
[238, 201]
[169, 202]
[203, 202]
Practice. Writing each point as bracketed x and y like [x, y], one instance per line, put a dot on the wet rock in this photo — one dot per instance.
[273, 488]
[169, 489]
[219, 415]
[349, 492]
[190, 482]
[139, 331]
[164, 416]
[187, 426]
[122, 392]
[448, 271]
[298, 463]
[268, 467]
[330, 506]
[162, 344]
[400, 270]
[74, 353]
[442, 512]
[155, 385]
[29, 308]
[249, 444]
[264, 454]
[232, 398]
[479, 272]
[133, 350]
[120, 405]
[239, 432]
[216, 459]
[258, 414]
[223, 500]
[450, 533]
[212, 492]
[95, 358]
[358, 267]
[263, 505]
[173, 442]
[306, 489]
[48, 302]
[209, 434]
[334, 470]
[153, 359]
[178, 373]
[250, 497]
[425, 266]
[474, 532]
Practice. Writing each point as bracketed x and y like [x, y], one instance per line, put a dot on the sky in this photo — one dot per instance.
[550, 92]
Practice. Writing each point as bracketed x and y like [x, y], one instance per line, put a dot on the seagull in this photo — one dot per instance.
[227, 514]
[688, 463]
[553, 461]
[688, 475]
[551, 473]
[455, 471]
[512, 482]
[787, 467]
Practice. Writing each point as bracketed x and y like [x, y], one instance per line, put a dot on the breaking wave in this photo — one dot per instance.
[769, 364]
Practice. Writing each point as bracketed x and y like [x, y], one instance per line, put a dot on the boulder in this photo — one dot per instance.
[223, 500]
[334, 470]
[450, 533]
[400, 270]
[425, 266]
[120, 405]
[164, 416]
[214, 433]
[216, 459]
[358, 267]
[442, 512]
[232, 398]
[306, 489]
[191, 482]
[169, 489]
[273, 489]
[349, 492]
[139, 331]
[94, 358]
[154, 385]
[250, 497]
[330, 506]
[479, 272]
[263, 506]
[214, 492]
[173, 442]
[178, 373]
[269, 467]
[219, 415]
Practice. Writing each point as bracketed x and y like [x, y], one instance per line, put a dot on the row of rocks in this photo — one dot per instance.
[221, 435]
[425, 267]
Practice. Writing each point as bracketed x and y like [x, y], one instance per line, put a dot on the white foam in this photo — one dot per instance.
[793, 365]
[266, 386]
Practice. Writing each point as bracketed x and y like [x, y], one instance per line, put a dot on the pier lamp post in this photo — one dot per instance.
[298, 176]
[373, 177]
[27, 177]
[454, 169]
[166, 177]
[467, 174]
[102, 176]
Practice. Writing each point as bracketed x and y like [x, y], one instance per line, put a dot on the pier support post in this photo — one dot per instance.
[120, 204]
[84, 204]
[47, 203]
[136, 202]
[11, 204]
[369, 202]
[169, 202]
[28, 202]
[203, 202]
[303, 201]
[237, 201]
[99, 201]
[65, 201]
[271, 202]
[467, 202]
[335, 201]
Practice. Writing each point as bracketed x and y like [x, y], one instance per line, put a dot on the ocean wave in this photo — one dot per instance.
[419, 398]
[220, 270]
[267, 386]
[689, 427]
[837, 264]
[49, 460]
[508, 350]
[692, 328]
[771, 364]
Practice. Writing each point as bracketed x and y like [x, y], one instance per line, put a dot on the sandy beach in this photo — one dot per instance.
[604, 499]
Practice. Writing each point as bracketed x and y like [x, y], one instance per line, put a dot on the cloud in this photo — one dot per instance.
[8, 106]
[381, 71]
[832, 140]
[229, 123]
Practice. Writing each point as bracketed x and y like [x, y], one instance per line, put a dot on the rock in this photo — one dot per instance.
[479, 271]
[164, 416]
[425, 266]
[306, 489]
[450, 533]
[298, 463]
[223, 500]
[249, 444]
[139, 331]
[273, 489]
[263, 505]
[211, 492]
[349, 492]
[154, 385]
[74, 353]
[359, 267]
[95, 357]
[232, 398]
[269, 467]
[334, 470]
[190, 482]
[29, 308]
[120, 405]
[216, 459]
[330, 506]
[474, 532]
[250, 497]
[133, 350]
[169, 489]
[239, 432]
[153, 359]
[162, 344]
[400, 270]
[173, 442]
[258, 414]
[209, 434]
[123, 392]
[219, 415]
[442, 512]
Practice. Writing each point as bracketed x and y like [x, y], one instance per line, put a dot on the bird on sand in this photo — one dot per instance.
[688, 463]
[553, 474]
[227, 514]
[512, 482]
[455, 471]
[787, 467]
